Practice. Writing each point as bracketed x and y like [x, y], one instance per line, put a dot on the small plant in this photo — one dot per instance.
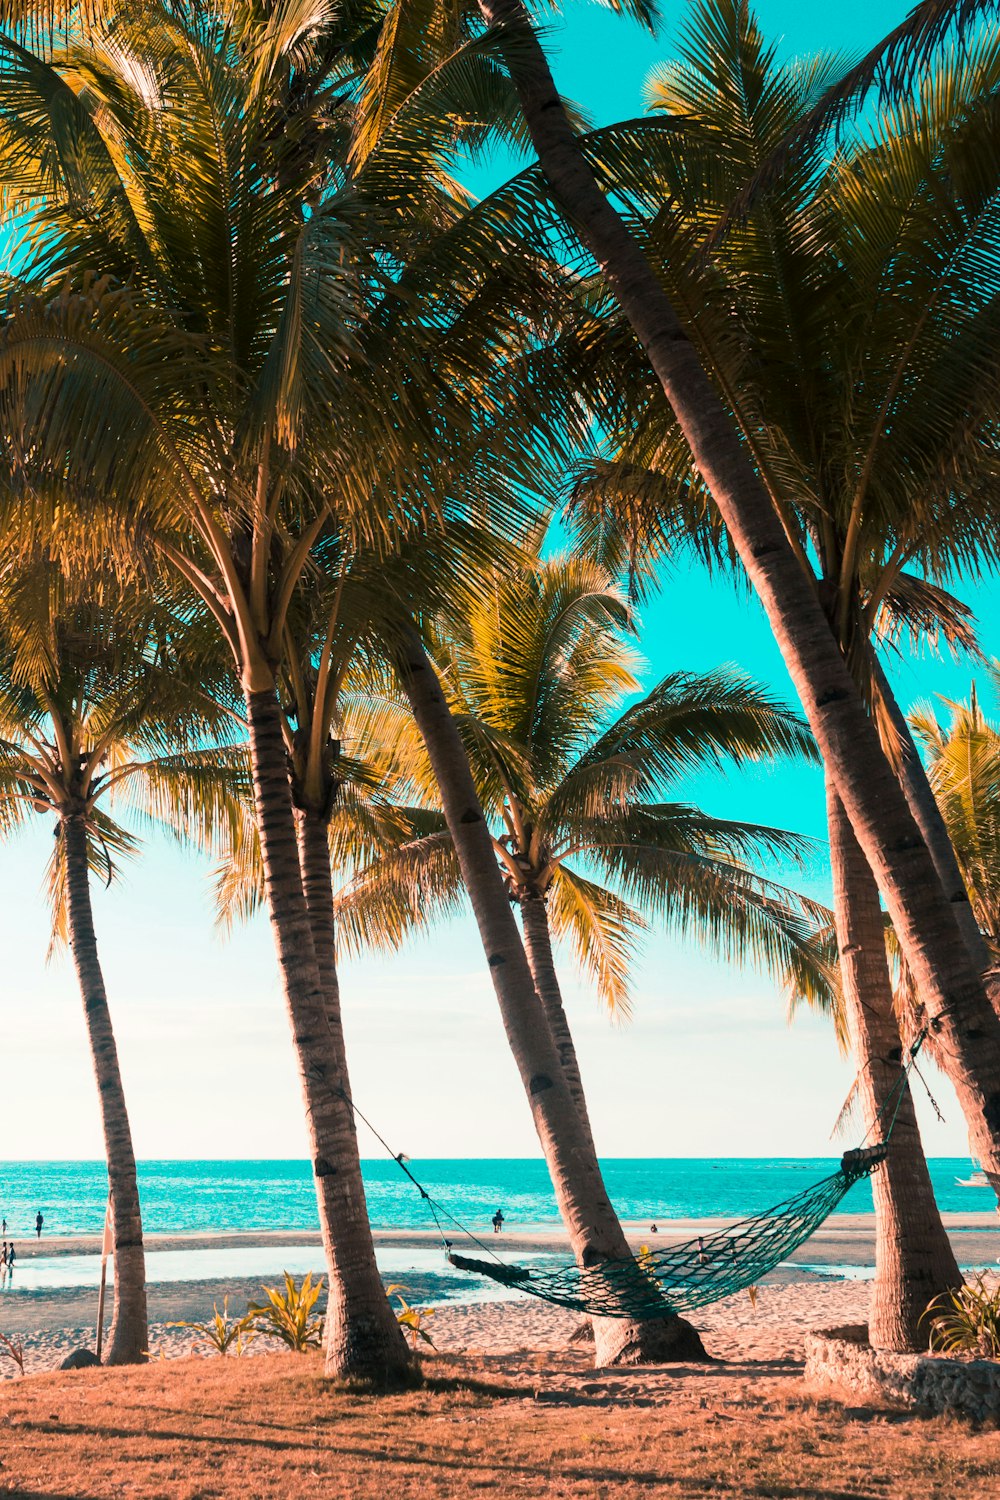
[410, 1319]
[967, 1321]
[221, 1333]
[288, 1315]
[12, 1349]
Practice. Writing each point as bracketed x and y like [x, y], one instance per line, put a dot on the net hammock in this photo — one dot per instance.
[695, 1272]
[681, 1277]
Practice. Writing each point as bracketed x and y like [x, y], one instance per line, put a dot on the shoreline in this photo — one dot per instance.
[813, 1288]
[847, 1239]
[818, 1272]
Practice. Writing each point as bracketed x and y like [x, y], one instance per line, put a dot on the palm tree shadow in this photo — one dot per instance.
[48, 1495]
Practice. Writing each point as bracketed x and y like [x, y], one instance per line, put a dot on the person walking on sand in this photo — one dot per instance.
[497, 1221]
[11, 1258]
[3, 1264]
[39, 1221]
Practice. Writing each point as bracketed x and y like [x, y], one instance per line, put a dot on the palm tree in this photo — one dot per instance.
[963, 761]
[812, 308]
[325, 697]
[530, 669]
[96, 714]
[891, 67]
[232, 382]
[574, 174]
[533, 671]
[595, 1234]
[914, 1260]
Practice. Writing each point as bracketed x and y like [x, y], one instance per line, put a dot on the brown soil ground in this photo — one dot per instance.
[506, 1425]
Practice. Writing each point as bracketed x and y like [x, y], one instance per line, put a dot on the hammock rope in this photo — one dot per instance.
[682, 1277]
[696, 1271]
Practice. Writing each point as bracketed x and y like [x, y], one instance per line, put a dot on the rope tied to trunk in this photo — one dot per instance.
[683, 1277]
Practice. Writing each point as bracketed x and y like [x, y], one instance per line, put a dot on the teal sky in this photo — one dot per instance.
[708, 1065]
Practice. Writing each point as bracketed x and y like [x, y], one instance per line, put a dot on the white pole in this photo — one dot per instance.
[105, 1252]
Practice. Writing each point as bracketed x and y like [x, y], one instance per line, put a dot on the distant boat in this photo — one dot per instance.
[978, 1179]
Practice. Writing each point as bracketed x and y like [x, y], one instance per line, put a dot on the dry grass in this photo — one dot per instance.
[273, 1427]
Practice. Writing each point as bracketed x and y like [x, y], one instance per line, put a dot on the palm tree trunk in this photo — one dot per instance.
[538, 950]
[923, 805]
[362, 1337]
[594, 1231]
[914, 1261]
[128, 1341]
[967, 1028]
[317, 887]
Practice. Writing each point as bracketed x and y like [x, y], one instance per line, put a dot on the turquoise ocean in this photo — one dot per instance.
[199, 1197]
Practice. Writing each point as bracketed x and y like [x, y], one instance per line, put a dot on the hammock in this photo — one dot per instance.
[680, 1278]
[695, 1272]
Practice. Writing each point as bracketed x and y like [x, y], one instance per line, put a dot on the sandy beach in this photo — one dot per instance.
[51, 1322]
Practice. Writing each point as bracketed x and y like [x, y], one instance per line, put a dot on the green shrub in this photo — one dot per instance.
[967, 1321]
[410, 1319]
[288, 1315]
[222, 1332]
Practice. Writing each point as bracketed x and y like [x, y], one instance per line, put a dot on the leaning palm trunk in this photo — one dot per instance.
[914, 1261]
[362, 1336]
[128, 1341]
[538, 950]
[594, 1231]
[967, 1028]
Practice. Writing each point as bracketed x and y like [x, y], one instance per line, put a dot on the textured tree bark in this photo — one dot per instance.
[317, 887]
[966, 1027]
[363, 1339]
[914, 1261]
[594, 1231]
[128, 1340]
[538, 949]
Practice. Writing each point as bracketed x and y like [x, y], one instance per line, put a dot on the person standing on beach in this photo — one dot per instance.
[11, 1257]
[3, 1264]
[39, 1221]
[497, 1222]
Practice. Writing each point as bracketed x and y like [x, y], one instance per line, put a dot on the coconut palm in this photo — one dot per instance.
[253, 361]
[531, 672]
[811, 308]
[891, 67]
[97, 718]
[331, 707]
[595, 1234]
[963, 762]
[534, 671]
[576, 173]
[531, 666]
[814, 308]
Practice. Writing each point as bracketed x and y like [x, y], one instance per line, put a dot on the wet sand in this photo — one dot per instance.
[845, 1239]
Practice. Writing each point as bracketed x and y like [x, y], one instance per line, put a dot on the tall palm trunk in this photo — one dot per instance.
[317, 887]
[538, 950]
[914, 1261]
[924, 807]
[362, 1336]
[967, 1028]
[594, 1231]
[128, 1341]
